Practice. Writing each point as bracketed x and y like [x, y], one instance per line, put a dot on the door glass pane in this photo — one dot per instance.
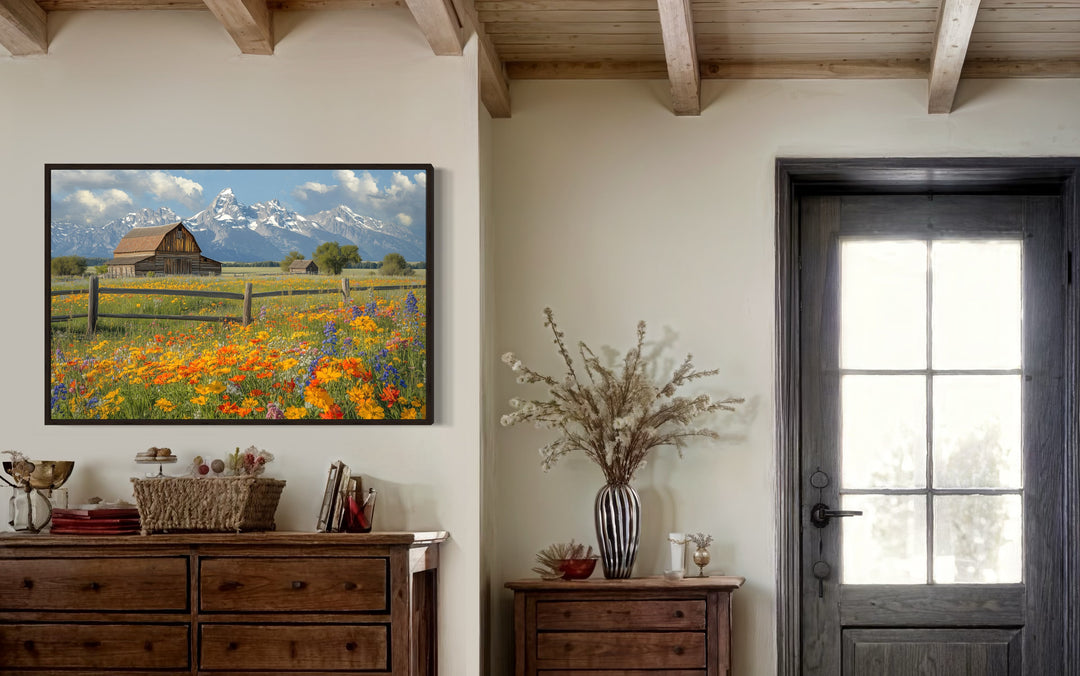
[883, 431]
[882, 304]
[887, 544]
[978, 539]
[977, 431]
[976, 291]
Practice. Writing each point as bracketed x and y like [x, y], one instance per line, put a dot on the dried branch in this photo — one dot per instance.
[615, 418]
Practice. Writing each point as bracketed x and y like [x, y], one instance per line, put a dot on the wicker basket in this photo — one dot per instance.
[220, 504]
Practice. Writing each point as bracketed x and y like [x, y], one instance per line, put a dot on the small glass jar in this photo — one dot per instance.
[29, 511]
[701, 559]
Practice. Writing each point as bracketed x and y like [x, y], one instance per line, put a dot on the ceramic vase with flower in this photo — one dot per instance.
[615, 415]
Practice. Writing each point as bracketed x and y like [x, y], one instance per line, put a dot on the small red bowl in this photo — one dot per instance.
[577, 569]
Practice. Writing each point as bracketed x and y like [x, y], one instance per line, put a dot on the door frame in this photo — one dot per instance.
[796, 177]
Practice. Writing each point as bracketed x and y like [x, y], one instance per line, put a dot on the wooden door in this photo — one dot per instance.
[931, 351]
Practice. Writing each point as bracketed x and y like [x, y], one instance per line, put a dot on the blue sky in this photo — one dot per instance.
[93, 197]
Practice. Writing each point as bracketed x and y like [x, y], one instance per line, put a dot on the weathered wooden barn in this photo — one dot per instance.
[162, 249]
[303, 267]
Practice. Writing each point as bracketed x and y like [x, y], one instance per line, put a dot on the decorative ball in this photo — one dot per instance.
[218, 466]
[197, 460]
[204, 469]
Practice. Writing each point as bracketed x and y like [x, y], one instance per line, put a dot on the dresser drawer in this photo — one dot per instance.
[94, 646]
[267, 584]
[299, 647]
[121, 583]
[620, 615]
[623, 672]
[620, 650]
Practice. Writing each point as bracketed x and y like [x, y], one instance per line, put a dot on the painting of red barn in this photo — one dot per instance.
[168, 249]
[239, 294]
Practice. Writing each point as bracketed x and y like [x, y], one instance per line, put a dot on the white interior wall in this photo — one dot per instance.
[610, 209]
[343, 86]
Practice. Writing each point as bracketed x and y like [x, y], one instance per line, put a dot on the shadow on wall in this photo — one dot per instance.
[403, 506]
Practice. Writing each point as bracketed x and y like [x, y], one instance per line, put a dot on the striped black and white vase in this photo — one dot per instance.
[618, 528]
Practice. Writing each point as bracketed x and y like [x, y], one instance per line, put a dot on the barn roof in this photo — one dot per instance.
[138, 240]
[128, 260]
[301, 264]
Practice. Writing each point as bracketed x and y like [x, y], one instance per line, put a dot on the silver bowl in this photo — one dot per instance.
[48, 474]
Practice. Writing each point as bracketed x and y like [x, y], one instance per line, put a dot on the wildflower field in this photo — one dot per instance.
[302, 358]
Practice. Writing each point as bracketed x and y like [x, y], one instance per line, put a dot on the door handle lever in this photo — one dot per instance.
[820, 514]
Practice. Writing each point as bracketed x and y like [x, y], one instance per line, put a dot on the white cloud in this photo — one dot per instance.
[361, 186]
[88, 206]
[303, 192]
[65, 179]
[166, 186]
[400, 185]
[400, 199]
[139, 183]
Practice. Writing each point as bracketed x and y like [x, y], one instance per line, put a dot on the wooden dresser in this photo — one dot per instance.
[637, 627]
[223, 604]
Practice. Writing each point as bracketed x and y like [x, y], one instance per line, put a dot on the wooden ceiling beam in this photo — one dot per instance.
[955, 20]
[440, 24]
[23, 30]
[248, 22]
[680, 51]
[494, 85]
[720, 70]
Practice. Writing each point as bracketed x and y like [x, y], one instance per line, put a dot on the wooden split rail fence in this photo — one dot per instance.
[95, 292]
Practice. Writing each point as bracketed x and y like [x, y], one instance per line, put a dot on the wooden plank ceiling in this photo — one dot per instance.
[682, 41]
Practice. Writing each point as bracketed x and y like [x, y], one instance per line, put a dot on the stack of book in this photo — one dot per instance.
[122, 521]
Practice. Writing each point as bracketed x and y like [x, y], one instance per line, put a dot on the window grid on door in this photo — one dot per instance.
[1003, 501]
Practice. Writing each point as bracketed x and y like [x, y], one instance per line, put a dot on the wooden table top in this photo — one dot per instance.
[646, 583]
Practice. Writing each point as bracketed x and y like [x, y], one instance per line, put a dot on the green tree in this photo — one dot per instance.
[289, 258]
[332, 258]
[395, 265]
[68, 265]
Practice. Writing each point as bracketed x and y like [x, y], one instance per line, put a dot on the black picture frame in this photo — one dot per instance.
[125, 345]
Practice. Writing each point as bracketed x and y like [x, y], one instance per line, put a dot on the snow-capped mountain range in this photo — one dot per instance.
[229, 230]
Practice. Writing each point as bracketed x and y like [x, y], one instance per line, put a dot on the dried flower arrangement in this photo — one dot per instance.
[551, 558]
[616, 416]
[21, 469]
[700, 540]
[251, 462]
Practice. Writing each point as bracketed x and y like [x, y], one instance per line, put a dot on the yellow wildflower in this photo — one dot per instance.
[295, 413]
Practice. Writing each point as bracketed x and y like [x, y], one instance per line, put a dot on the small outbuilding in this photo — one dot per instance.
[162, 249]
[303, 267]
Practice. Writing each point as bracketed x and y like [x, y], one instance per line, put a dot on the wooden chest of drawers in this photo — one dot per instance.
[223, 604]
[606, 627]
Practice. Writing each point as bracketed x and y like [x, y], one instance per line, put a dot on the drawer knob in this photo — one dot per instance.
[148, 646]
[233, 645]
[678, 613]
[678, 650]
[28, 583]
[94, 586]
[298, 584]
[29, 645]
[350, 646]
[91, 644]
[349, 586]
[229, 585]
